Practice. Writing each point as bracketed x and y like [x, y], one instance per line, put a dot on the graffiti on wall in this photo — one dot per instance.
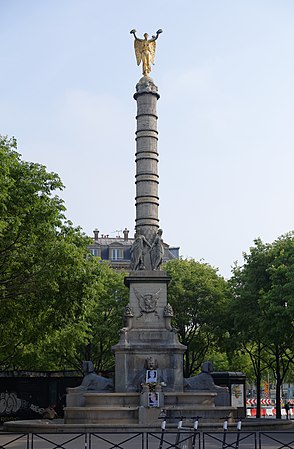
[11, 404]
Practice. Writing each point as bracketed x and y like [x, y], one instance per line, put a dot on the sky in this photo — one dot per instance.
[225, 74]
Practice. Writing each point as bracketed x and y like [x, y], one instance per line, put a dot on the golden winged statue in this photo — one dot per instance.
[145, 50]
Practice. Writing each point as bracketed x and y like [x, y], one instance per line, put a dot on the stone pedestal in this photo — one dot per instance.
[148, 334]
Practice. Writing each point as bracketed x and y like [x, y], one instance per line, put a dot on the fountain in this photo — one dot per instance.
[148, 344]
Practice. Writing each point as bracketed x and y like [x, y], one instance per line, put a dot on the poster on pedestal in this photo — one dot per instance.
[151, 376]
[153, 400]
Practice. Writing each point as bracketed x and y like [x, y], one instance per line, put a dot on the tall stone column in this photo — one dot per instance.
[148, 332]
[147, 179]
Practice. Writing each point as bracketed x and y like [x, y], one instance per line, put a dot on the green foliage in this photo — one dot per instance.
[198, 295]
[55, 298]
[91, 335]
[104, 316]
[263, 293]
[60, 306]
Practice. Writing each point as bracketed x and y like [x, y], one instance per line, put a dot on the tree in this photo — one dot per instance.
[198, 295]
[46, 273]
[91, 335]
[59, 305]
[246, 329]
[262, 292]
[278, 308]
[105, 317]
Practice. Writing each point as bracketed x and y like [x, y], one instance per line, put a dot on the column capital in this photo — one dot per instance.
[146, 85]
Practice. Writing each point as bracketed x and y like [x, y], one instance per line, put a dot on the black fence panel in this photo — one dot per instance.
[173, 440]
[229, 440]
[14, 441]
[149, 440]
[276, 440]
[123, 440]
[59, 440]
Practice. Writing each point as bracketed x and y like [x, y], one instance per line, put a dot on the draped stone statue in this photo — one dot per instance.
[138, 251]
[140, 379]
[157, 251]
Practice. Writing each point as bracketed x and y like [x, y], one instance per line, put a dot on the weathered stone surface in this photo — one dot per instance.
[151, 335]
[91, 382]
[146, 85]
[204, 382]
[148, 341]
[147, 179]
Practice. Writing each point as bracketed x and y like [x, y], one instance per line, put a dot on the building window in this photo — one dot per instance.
[95, 252]
[116, 254]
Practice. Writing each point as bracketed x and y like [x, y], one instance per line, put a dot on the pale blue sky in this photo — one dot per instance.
[225, 74]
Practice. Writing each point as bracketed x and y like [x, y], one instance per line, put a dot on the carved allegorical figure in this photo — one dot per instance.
[145, 51]
[157, 251]
[140, 379]
[141, 247]
[138, 251]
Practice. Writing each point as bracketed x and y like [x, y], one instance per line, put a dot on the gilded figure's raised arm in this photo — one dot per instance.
[158, 32]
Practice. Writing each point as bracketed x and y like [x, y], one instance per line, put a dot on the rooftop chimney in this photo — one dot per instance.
[126, 234]
[96, 234]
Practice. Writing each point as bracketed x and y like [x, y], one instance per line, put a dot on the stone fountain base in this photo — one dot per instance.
[133, 408]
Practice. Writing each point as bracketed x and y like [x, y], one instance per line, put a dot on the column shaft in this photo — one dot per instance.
[147, 178]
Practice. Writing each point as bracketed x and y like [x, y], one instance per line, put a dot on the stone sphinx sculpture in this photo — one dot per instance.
[204, 381]
[91, 382]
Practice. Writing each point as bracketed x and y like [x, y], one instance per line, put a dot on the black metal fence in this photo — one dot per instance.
[180, 439]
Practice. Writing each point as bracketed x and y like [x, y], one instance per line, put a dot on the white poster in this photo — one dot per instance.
[151, 376]
[153, 400]
[237, 395]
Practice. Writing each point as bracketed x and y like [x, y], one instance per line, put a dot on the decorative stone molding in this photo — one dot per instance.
[146, 86]
[128, 311]
[168, 311]
[148, 302]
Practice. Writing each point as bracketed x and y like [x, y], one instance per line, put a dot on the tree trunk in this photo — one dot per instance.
[187, 363]
[278, 386]
[258, 383]
[258, 394]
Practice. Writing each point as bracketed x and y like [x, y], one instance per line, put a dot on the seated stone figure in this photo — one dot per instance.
[204, 381]
[91, 383]
[140, 379]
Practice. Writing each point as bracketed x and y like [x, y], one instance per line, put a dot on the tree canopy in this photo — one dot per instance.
[263, 293]
[60, 305]
[50, 286]
[198, 295]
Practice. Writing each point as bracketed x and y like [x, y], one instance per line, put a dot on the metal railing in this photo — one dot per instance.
[164, 439]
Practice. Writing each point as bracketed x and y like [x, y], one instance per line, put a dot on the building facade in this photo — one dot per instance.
[117, 249]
